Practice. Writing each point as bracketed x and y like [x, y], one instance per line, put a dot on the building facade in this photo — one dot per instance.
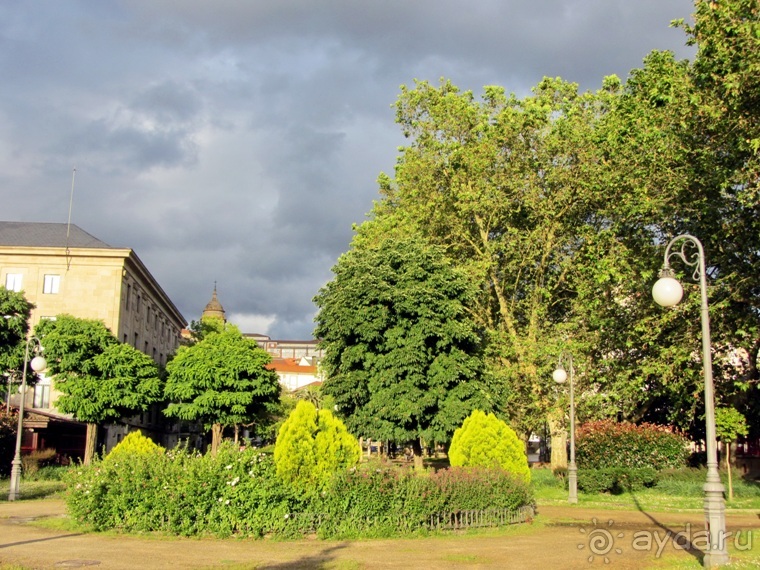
[63, 269]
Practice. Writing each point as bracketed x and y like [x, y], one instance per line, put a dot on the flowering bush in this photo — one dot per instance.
[182, 492]
[608, 444]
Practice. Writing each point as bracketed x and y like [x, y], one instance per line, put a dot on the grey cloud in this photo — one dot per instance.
[238, 142]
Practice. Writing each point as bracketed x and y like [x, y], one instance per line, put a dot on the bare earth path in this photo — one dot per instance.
[563, 537]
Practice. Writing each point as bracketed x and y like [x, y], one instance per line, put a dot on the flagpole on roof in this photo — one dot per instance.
[68, 225]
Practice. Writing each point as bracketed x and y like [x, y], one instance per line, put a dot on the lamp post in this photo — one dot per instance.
[667, 291]
[38, 364]
[560, 376]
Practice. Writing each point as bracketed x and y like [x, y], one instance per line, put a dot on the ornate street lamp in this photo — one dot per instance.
[38, 364]
[560, 376]
[668, 292]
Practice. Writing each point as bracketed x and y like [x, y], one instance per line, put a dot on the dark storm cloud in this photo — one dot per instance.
[237, 142]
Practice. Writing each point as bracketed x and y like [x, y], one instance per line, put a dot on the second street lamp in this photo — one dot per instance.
[668, 292]
[560, 376]
[38, 364]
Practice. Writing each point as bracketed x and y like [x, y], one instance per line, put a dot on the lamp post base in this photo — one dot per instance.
[13, 494]
[572, 483]
[715, 520]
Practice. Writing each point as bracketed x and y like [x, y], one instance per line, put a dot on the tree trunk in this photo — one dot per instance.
[558, 435]
[216, 438]
[237, 434]
[728, 467]
[90, 441]
[417, 450]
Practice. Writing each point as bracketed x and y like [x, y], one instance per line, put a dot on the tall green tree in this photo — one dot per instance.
[14, 326]
[222, 380]
[402, 354]
[99, 378]
[509, 187]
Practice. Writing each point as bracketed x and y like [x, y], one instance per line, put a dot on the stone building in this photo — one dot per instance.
[60, 269]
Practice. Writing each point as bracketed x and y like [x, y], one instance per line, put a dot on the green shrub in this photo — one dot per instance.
[616, 479]
[608, 444]
[182, 492]
[31, 462]
[312, 445]
[486, 441]
[239, 493]
[134, 443]
[8, 427]
[388, 501]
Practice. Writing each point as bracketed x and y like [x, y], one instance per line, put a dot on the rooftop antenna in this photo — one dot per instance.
[68, 225]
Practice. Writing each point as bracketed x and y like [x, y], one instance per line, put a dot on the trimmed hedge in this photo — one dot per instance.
[616, 480]
[239, 493]
[607, 444]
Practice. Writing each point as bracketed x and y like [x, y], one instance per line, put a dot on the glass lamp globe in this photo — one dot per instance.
[38, 364]
[667, 291]
[559, 375]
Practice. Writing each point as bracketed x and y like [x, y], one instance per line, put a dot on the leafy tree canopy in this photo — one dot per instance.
[14, 325]
[402, 355]
[221, 380]
[99, 378]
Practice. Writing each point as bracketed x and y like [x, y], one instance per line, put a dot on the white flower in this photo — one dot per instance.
[287, 516]
[227, 502]
[229, 466]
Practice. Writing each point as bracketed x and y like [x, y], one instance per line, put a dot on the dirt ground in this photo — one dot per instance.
[562, 537]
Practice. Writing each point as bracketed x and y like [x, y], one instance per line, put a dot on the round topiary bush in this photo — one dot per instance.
[486, 441]
[311, 446]
[134, 443]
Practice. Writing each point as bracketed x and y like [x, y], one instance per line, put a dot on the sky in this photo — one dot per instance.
[236, 142]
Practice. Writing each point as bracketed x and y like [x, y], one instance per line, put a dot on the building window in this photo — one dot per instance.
[145, 350]
[42, 394]
[137, 305]
[13, 282]
[51, 284]
[136, 337]
[125, 338]
[129, 294]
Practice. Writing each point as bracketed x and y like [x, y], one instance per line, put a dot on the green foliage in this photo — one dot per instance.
[611, 445]
[616, 480]
[222, 379]
[8, 430]
[135, 442]
[98, 377]
[402, 356]
[729, 425]
[14, 325]
[31, 462]
[375, 500]
[311, 446]
[486, 441]
[690, 482]
[239, 493]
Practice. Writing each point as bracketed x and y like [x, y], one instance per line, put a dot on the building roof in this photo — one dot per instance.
[40, 234]
[291, 365]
